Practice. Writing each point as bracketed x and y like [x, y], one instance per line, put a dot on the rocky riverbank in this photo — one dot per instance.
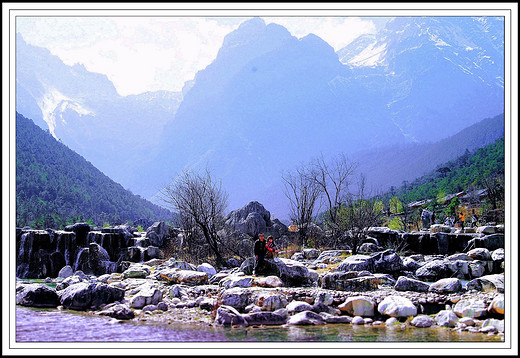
[167, 291]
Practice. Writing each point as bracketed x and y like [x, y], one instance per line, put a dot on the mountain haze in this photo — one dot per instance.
[269, 101]
[84, 110]
[56, 186]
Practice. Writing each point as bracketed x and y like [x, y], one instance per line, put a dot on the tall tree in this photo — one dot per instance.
[333, 178]
[303, 193]
[200, 203]
[360, 212]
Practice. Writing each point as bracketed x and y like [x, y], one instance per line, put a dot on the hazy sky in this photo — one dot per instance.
[140, 54]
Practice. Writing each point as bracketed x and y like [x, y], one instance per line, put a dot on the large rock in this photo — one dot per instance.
[387, 262]
[95, 260]
[490, 242]
[397, 306]
[188, 277]
[489, 283]
[157, 233]
[183, 265]
[329, 256]
[497, 305]
[348, 281]
[83, 295]
[473, 308]
[409, 284]
[65, 272]
[446, 318]
[118, 311]
[357, 263]
[207, 268]
[480, 254]
[271, 301]
[36, 295]
[264, 318]
[358, 306]
[496, 324]
[136, 271]
[251, 219]
[410, 264]
[269, 281]
[292, 273]
[311, 254]
[459, 268]
[71, 280]
[147, 295]
[306, 318]
[433, 271]
[446, 285]
[236, 281]
[422, 321]
[229, 316]
[237, 298]
[298, 306]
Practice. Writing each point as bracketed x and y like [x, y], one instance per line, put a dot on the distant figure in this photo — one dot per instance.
[271, 248]
[474, 219]
[462, 219]
[426, 217]
[433, 218]
[447, 221]
[260, 251]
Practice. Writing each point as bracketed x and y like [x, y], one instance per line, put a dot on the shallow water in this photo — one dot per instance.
[52, 325]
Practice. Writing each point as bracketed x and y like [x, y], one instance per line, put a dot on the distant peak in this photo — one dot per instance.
[254, 23]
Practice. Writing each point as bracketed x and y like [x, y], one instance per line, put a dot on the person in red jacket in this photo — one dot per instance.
[271, 249]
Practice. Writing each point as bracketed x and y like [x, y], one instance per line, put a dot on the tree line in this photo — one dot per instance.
[330, 195]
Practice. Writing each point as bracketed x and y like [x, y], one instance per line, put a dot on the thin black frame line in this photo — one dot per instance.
[510, 137]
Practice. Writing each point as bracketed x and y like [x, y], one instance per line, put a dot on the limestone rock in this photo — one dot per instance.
[358, 306]
[487, 283]
[83, 295]
[422, 321]
[446, 318]
[497, 305]
[446, 285]
[37, 295]
[118, 311]
[473, 308]
[306, 318]
[147, 295]
[298, 306]
[397, 306]
[409, 284]
[229, 316]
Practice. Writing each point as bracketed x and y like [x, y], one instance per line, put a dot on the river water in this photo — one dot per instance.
[53, 325]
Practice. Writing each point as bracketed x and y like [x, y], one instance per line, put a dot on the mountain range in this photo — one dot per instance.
[270, 101]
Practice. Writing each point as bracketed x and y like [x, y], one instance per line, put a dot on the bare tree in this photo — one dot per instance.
[359, 212]
[333, 178]
[200, 203]
[303, 193]
[495, 189]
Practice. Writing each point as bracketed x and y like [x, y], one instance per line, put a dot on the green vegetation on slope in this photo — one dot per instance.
[465, 173]
[56, 186]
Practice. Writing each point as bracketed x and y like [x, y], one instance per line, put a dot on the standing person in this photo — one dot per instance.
[462, 219]
[271, 248]
[260, 251]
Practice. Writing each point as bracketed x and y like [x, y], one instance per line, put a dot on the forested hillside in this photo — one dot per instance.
[56, 186]
[465, 173]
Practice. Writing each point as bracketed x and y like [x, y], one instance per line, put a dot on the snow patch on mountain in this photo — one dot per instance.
[371, 56]
[54, 103]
